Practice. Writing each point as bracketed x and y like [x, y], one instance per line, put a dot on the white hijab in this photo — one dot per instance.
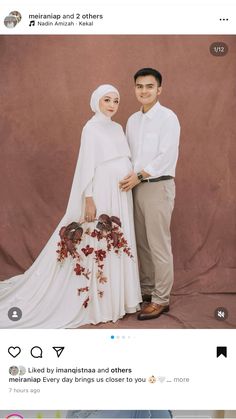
[99, 93]
[101, 140]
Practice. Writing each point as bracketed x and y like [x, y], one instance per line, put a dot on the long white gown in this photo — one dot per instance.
[47, 293]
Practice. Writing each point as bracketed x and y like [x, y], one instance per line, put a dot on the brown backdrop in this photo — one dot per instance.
[45, 86]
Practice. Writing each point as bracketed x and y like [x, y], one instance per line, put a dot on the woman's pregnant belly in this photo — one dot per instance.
[106, 192]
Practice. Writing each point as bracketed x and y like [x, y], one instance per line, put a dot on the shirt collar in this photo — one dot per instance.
[151, 111]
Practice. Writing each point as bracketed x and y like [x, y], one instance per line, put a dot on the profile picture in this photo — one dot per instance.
[17, 15]
[12, 19]
[22, 370]
[13, 370]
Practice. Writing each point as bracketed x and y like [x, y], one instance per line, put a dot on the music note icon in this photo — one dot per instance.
[32, 23]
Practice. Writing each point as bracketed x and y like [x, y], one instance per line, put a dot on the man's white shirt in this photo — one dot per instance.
[153, 138]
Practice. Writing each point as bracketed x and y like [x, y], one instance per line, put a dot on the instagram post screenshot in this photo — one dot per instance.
[117, 261]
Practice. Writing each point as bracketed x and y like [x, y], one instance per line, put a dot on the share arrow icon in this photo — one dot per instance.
[58, 350]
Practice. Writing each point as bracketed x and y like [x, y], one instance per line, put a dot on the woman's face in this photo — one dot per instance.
[109, 104]
[13, 370]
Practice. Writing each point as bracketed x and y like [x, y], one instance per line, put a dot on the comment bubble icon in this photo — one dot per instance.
[36, 352]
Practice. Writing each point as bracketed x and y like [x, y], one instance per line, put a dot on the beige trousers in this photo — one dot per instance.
[153, 206]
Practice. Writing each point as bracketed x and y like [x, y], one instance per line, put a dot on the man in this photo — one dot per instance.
[153, 136]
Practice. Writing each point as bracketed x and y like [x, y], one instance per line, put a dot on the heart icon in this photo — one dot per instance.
[161, 379]
[14, 351]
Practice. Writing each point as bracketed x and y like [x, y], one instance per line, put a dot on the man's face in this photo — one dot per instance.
[147, 90]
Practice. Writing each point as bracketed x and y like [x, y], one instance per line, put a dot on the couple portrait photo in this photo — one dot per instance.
[99, 281]
[109, 262]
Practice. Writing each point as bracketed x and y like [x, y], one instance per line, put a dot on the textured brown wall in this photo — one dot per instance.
[45, 86]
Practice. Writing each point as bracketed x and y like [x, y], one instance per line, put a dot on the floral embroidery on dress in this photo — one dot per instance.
[109, 235]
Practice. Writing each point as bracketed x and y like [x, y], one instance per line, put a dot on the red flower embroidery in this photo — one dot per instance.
[85, 303]
[107, 231]
[87, 250]
[79, 269]
[85, 289]
[100, 255]
[87, 273]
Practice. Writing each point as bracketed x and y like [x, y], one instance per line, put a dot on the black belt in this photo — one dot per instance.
[157, 179]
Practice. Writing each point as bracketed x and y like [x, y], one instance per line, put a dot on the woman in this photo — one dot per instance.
[59, 291]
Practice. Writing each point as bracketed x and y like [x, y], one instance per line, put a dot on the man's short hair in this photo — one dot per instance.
[149, 72]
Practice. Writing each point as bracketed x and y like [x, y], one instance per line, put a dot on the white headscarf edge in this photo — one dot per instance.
[100, 92]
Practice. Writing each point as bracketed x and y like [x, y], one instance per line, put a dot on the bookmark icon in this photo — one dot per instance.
[221, 350]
